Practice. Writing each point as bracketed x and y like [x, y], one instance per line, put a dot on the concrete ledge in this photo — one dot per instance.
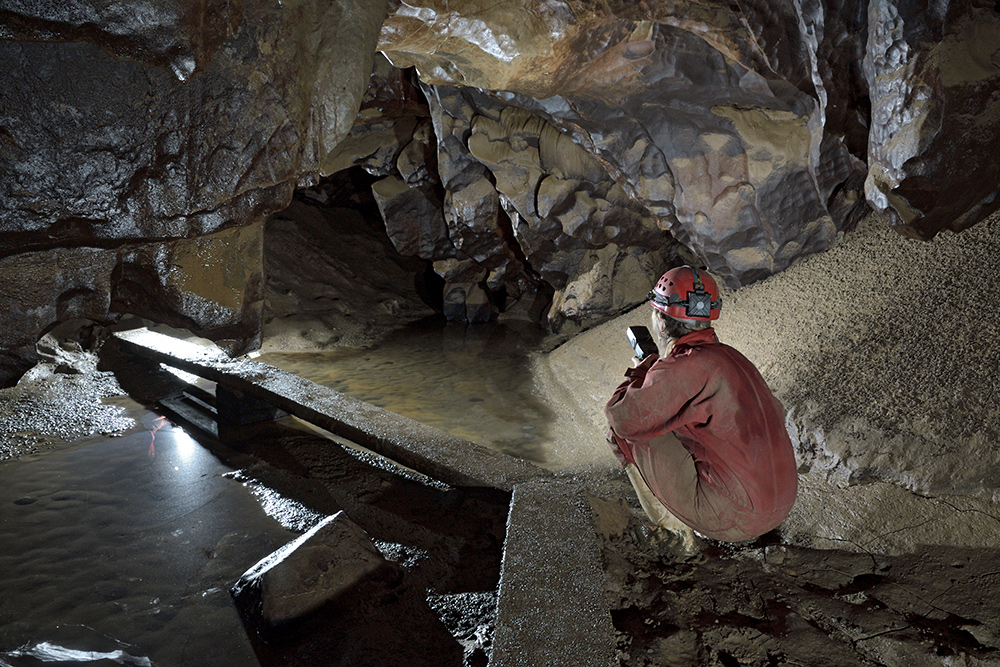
[428, 450]
[551, 608]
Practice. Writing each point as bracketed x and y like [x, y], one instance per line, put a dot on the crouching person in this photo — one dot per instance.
[698, 430]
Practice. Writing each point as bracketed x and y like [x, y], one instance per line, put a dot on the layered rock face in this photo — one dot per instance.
[142, 145]
[548, 158]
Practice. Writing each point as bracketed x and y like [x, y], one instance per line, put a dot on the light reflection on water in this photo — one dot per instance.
[474, 382]
[109, 550]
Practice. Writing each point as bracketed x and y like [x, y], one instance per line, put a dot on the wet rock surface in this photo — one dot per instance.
[103, 148]
[685, 113]
[333, 278]
[443, 544]
[62, 398]
[212, 285]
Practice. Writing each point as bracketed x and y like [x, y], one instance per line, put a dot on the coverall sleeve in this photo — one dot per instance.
[670, 393]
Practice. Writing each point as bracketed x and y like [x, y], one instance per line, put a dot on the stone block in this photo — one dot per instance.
[334, 562]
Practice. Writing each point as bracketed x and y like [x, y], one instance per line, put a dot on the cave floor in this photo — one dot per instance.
[126, 547]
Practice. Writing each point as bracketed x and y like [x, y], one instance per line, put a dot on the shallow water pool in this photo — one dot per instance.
[474, 382]
[122, 551]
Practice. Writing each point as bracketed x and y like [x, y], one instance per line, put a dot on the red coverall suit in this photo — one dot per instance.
[709, 438]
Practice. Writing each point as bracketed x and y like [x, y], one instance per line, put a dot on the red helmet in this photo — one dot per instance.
[687, 294]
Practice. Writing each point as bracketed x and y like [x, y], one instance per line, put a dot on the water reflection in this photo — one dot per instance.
[474, 382]
[109, 551]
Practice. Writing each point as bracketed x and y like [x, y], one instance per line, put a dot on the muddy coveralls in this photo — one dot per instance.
[708, 437]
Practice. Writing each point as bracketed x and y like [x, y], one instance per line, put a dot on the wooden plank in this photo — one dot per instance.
[428, 450]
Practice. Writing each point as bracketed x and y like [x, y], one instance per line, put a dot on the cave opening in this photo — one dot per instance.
[344, 308]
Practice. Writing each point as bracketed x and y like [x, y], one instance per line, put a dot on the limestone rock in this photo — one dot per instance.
[413, 219]
[166, 158]
[681, 108]
[42, 288]
[326, 564]
[390, 110]
[608, 280]
[569, 216]
[471, 202]
[333, 278]
[933, 76]
[467, 302]
[212, 285]
[100, 148]
[182, 36]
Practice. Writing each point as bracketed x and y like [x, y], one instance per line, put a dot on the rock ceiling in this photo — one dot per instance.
[557, 146]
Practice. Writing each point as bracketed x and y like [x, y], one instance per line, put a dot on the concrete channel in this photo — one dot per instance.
[551, 608]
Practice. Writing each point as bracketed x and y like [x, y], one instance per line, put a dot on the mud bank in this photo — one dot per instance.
[883, 353]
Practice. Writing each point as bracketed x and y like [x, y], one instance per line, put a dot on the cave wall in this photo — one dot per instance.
[561, 148]
[143, 144]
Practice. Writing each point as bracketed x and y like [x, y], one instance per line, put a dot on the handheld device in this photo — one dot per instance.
[641, 341]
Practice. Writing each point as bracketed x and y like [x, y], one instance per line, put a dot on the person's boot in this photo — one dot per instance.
[668, 535]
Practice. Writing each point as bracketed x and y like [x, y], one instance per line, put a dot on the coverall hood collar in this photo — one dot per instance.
[702, 337]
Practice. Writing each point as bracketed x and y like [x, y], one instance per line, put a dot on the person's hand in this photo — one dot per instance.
[648, 361]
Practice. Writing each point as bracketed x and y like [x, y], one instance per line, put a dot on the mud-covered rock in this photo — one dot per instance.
[211, 285]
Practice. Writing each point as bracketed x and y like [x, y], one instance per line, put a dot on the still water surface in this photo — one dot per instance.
[474, 382]
[122, 551]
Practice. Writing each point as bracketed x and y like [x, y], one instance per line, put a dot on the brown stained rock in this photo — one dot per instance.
[545, 48]
[413, 219]
[373, 145]
[580, 232]
[472, 212]
[679, 104]
[212, 285]
[933, 75]
[819, 48]
[391, 109]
